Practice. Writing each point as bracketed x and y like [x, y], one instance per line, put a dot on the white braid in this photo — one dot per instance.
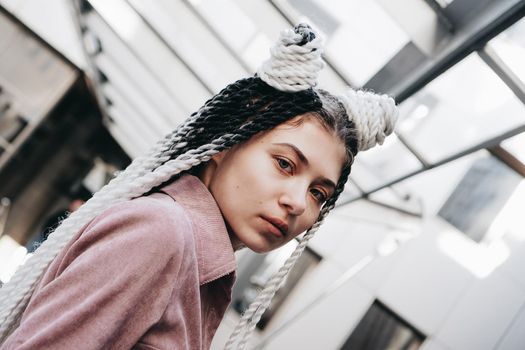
[374, 116]
[257, 308]
[293, 66]
[15, 294]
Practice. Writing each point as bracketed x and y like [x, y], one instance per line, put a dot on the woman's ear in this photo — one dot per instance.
[208, 169]
[217, 159]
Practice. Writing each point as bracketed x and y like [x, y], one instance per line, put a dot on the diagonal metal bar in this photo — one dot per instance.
[486, 144]
[425, 163]
[507, 158]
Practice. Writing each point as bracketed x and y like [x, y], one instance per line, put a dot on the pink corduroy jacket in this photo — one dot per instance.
[155, 272]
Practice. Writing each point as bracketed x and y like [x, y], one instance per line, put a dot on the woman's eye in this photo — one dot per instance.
[319, 195]
[284, 164]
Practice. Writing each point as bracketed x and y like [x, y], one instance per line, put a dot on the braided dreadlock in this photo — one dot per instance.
[283, 88]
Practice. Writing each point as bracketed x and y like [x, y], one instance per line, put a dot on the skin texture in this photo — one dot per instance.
[263, 180]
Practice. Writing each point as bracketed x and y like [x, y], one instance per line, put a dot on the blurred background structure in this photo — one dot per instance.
[426, 249]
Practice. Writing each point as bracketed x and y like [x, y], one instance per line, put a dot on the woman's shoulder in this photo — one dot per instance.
[156, 220]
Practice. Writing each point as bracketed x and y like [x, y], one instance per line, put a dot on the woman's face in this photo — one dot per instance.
[272, 187]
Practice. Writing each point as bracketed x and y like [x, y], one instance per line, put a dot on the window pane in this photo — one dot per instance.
[480, 196]
[462, 108]
[382, 329]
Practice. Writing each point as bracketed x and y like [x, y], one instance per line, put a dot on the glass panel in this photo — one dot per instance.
[356, 51]
[382, 329]
[462, 108]
[383, 164]
[480, 196]
[510, 47]
[431, 188]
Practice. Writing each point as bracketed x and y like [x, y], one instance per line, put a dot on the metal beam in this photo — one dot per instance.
[498, 16]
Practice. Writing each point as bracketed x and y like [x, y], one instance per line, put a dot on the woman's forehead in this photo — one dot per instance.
[322, 148]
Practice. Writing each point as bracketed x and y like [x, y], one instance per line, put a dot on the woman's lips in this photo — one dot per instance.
[280, 227]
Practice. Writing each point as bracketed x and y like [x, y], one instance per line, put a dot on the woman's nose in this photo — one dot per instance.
[294, 200]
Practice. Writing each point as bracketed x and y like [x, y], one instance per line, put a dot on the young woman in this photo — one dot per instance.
[148, 262]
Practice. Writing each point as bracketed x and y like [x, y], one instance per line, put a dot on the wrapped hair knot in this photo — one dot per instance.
[295, 60]
[374, 116]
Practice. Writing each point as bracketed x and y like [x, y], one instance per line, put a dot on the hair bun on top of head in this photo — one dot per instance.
[374, 116]
[295, 60]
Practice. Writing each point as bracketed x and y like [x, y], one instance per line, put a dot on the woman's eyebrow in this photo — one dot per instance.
[304, 160]
[328, 183]
[297, 151]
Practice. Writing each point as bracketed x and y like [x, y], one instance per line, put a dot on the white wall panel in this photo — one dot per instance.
[426, 284]
[306, 290]
[482, 315]
[514, 337]
[432, 344]
[514, 266]
[328, 324]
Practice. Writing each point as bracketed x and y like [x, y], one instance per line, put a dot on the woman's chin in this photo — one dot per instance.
[259, 244]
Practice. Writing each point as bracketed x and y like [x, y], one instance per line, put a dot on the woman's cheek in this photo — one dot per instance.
[311, 218]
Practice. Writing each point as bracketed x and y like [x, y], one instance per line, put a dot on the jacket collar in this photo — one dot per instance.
[215, 253]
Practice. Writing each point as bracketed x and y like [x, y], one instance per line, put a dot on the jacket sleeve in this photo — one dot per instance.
[111, 285]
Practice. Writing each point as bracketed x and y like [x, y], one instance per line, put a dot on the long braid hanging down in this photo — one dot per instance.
[282, 90]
